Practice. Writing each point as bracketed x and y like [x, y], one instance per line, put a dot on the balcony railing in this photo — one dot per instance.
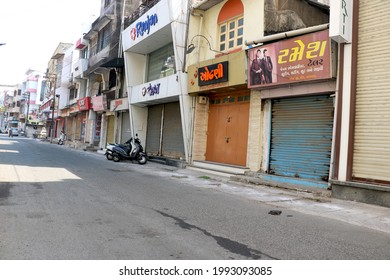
[142, 9]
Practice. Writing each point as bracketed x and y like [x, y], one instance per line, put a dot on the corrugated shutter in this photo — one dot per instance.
[371, 156]
[69, 128]
[154, 130]
[77, 134]
[125, 131]
[172, 145]
[172, 134]
[110, 129]
[301, 137]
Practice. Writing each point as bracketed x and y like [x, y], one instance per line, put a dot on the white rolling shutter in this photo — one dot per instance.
[371, 160]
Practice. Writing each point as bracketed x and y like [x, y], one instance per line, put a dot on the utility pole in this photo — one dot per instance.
[52, 111]
[53, 93]
[28, 109]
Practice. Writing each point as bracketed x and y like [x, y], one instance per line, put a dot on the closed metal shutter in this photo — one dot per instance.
[77, 134]
[125, 131]
[301, 137]
[165, 139]
[371, 155]
[172, 145]
[110, 129]
[153, 135]
[69, 128]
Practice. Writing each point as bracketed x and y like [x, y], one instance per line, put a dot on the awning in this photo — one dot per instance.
[117, 62]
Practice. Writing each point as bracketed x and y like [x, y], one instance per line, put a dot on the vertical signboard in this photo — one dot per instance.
[340, 25]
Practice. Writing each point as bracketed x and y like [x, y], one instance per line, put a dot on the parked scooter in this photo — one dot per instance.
[110, 146]
[131, 150]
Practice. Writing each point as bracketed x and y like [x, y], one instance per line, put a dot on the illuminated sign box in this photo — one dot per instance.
[299, 59]
[213, 74]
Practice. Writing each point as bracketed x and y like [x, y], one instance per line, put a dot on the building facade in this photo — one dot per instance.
[10, 106]
[243, 102]
[95, 80]
[154, 57]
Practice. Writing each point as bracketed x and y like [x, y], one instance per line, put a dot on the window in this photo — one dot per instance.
[231, 34]
[161, 63]
[72, 93]
[84, 53]
[231, 25]
[104, 38]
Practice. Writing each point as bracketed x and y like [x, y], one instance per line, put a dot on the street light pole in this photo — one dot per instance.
[52, 111]
[28, 109]
[52, 119]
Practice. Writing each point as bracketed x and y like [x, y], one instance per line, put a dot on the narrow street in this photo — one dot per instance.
[61, 203]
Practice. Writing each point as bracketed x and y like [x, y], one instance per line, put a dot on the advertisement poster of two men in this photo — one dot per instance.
[297, 59]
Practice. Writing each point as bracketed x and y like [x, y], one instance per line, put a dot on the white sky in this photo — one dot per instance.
[33, 29]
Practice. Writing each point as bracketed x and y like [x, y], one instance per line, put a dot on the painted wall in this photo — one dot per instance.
[205, 23]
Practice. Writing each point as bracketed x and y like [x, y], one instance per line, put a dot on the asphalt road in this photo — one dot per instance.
[61, 203]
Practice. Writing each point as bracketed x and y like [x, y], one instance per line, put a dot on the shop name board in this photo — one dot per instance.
[151, 90]
[340, 27]
[299, 59]
[213, 74]
[119, 104]
[84, 104]
[143, 27]
[99, 103]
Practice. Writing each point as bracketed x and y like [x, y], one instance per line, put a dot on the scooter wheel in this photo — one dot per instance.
[142, 159]
[109, 156]
[116, 157]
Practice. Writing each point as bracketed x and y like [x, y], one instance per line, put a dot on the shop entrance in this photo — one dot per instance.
[227, 134]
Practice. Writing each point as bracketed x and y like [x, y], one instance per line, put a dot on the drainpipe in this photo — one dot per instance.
[288, 34]
[200, 32]
[183, 68]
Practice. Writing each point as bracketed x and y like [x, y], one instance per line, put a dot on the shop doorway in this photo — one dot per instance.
[227, 134]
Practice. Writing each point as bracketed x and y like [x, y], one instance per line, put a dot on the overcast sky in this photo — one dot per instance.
[33, 29]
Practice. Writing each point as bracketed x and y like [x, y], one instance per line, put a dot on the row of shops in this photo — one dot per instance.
[279, 108]
[282, 125]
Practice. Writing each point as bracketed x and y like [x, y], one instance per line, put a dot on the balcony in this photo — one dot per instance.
[79, 67]
[142, 9]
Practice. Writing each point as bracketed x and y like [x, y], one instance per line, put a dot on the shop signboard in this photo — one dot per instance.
[299, 59]
[340, 24]
[213, 74]
[84, 103]
[99, 103]
[149, 23]
[119, 104]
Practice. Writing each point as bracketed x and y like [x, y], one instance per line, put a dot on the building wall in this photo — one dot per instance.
[255, 129]
[200, 130]
[205, 23]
